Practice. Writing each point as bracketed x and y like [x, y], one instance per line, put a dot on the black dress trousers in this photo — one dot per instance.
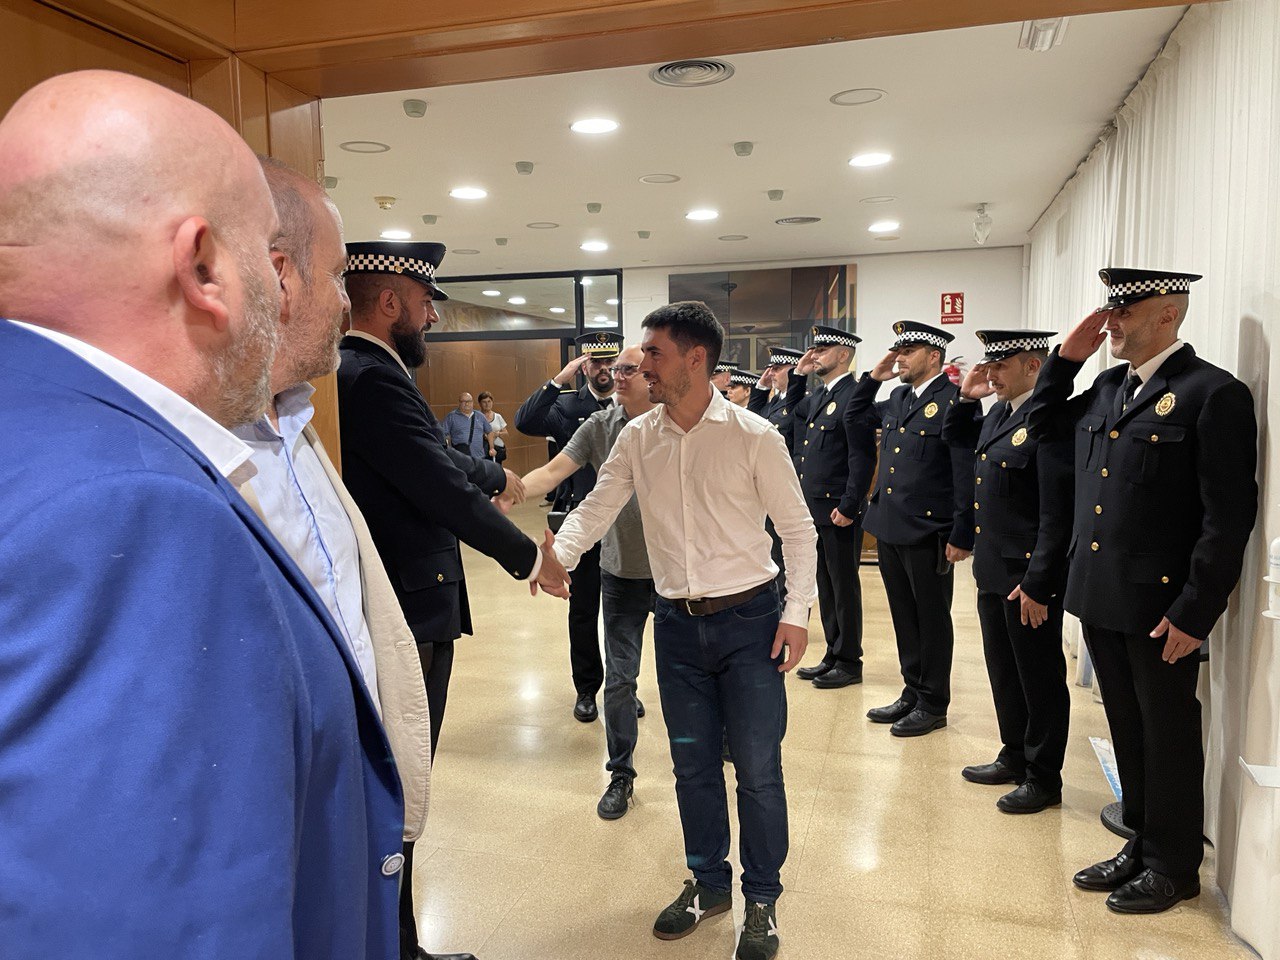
[584, 625]
[920, 606]
[840, 594]
[1154, 715]
[1028, 674]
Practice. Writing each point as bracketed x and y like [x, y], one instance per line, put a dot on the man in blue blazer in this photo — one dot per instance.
[189, 764]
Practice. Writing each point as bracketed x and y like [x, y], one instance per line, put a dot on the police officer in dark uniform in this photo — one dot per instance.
[836, 462]
[720, 375]
[1165, 454]
[1021, 508]
[921, 515]
[553, 412]
[741, 384]
[775, 398]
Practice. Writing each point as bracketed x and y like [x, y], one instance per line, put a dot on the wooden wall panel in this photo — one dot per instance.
[294, 128]
[37, 43]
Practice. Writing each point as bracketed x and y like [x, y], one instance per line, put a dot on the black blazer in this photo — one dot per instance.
[1021, 501]
[1165, 494]
[780, 411]
[414, 494]
[924, 487]
[836, 458]
[552, 413]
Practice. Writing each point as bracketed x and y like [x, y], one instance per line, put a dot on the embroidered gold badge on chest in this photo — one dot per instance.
[931, 410]
[831, 408]
[1165, 405]
[1019, 436]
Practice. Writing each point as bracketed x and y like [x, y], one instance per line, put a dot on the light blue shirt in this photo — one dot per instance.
[458, 427]
[304, 513]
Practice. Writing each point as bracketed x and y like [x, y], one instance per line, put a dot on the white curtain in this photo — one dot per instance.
[1189, 178]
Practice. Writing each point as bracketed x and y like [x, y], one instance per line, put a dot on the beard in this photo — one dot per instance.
[408, 340]
[670, 391]
[602, 381]
[242, 372]
[323, 357]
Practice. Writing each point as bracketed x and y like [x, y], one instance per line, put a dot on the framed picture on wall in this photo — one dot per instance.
[738, 350]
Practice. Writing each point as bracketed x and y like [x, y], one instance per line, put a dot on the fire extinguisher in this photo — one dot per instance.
[955, 370]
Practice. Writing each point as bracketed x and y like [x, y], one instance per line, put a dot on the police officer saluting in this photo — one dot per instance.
[720, 375]
[776, 397]
[556, 413]
[1023, 524]
[1165, 453]
[836, 462]
[921, 515]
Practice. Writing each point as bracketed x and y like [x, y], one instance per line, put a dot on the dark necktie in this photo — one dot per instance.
[819, 398]
[1132, 384]
[1004, 415]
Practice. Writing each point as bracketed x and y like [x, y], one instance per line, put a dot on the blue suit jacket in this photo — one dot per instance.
[188, 765]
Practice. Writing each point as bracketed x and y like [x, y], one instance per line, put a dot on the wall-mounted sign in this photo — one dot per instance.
[953, 308]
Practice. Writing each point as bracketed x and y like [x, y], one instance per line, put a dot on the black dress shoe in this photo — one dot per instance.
[917, 723]
[837, 677]
[585, 709]
[1109, 874]
[1151, 892]
[990, 774]
[812, 673]
[617, 798]
[1031, 797]
[892, 713]
[639, 708]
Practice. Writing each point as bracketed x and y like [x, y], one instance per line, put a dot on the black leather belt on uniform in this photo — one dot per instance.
[706, 606]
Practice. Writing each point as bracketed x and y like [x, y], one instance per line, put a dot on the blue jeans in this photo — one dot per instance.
[715, 674]
[627, 604]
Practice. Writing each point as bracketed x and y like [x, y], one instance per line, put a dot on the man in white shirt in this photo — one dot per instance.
[706, 473]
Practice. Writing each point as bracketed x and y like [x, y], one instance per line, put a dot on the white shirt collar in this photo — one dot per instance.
[717, 411]
[1148, 369]
[293, 410]
[227, 452]
[609, 400]
[919, 391]
[372, 339]
[832, 384]
[1019, 400]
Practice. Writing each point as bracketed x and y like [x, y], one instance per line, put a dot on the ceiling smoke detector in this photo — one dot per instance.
[1041, 36]
[593, 208]
[329, 182]
[414, 108]
[524, 167]
[385, 203]
[796, 221]
[743, 148]
[429, 219]
[775, 194]
[691, 73]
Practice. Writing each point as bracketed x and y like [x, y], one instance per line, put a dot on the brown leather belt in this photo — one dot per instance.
[706, 606]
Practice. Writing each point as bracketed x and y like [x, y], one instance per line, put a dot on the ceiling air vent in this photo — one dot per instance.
[691, 73]
[793, 221]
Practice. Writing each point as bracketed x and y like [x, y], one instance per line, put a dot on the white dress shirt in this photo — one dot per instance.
[1148, 369]
[918, 391]
[223, 449]
[304, 513]
[703, 498]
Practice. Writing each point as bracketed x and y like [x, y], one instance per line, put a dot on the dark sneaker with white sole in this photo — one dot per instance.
[613, 805]
[695, 904]
[759, 940]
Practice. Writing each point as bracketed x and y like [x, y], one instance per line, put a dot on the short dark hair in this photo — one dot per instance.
[690, 323]
[483, 395]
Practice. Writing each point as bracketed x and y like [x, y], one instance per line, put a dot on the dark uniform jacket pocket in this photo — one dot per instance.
[430, 569]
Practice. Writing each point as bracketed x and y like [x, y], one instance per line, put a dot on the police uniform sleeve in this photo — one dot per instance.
[536, 416]
[398, 442]
[1051, 410]
[1046, 574]
[962, 521]
[860, 442]
[1226, 458]
[862, 407]
[962, 425]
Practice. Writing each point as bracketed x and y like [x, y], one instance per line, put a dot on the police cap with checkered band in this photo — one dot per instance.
[1002, 344]
[820, 336]
[416, 260]
[1126, 285]
[600, 345]
[910, 332]
[744, 378]
[784, 356]
[724, 366]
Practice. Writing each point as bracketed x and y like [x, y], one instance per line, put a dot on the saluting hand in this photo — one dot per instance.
[883, 371]
[1032, 613]
[806, 364]
[975, 385]
[552, 577]
[1085, 337]
[1178, 645]
[565, 376]
[795, 639]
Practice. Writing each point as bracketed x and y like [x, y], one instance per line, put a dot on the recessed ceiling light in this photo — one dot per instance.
[870, 159]
[542, 225]
[517, 300]
[796, 221]
[704, 213]
[594, 246]
[556, 309]
[884, 199]
[492, 293]
[395, 235]
[660, 178]
[468, 193]
[734, 236]
[893, 236]
[884, 226]
[364, 146]
[612, 301]
[465, 252]
[594, 125]
[600, 318]
[585, 281]
[857, 96]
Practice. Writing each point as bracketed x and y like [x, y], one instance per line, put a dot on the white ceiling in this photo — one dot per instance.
[968, 116]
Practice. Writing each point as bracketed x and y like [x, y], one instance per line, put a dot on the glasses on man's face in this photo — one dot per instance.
[625, 370]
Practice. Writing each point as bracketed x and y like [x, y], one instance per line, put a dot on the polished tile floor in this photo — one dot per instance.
[892, 853]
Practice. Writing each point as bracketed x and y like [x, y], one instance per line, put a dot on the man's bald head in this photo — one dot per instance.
[139, 221]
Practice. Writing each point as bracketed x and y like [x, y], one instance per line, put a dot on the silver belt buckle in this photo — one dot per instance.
[688, 608]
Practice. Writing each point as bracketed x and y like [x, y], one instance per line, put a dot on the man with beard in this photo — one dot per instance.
[705, 474]
[1165, 454]
[192, 765]
[554, 412]
[921, 515]
[299, 494]
[419, 496]
[1022, 487]
[835, 460]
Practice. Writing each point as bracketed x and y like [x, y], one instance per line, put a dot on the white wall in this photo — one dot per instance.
[891, 286]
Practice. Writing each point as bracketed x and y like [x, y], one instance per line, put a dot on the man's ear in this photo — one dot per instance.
[699, 356]
[290, 283]
[202, 267]
[387, 302]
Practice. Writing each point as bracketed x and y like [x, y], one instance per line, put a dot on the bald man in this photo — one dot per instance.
[191, 765]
